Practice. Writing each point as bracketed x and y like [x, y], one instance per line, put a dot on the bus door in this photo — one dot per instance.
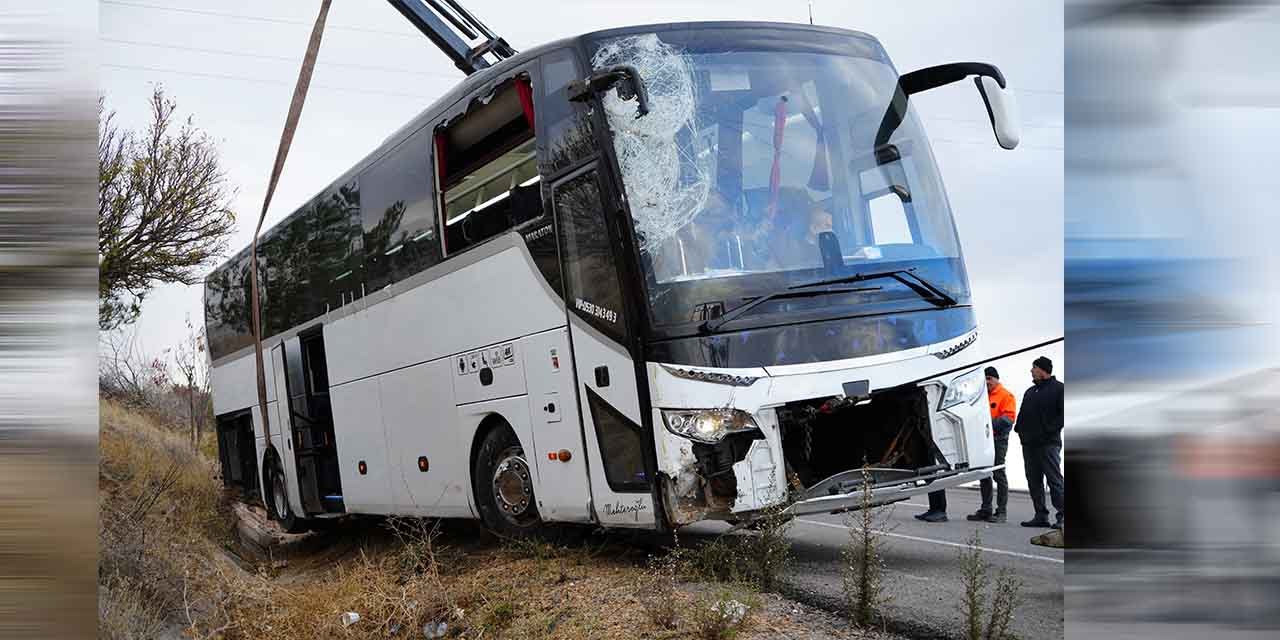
[281, 430]
[310, 423]
[608, 395]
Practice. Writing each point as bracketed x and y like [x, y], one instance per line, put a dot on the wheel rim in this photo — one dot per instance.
[278, 496]
[513, 486]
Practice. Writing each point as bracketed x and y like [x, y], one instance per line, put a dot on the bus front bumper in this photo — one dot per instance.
[884, 493]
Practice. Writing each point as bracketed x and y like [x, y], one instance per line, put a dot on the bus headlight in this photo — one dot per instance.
[708, 425]
[964, 389]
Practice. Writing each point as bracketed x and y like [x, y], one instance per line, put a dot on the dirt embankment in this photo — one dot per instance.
[171, 567]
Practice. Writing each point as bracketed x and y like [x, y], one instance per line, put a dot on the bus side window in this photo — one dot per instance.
[564, 134]
[592, 285]
[490, 182]
[398, 214]
[335, 260]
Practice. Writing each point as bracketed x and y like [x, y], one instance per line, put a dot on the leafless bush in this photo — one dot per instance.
[657, 590]
[862, 564]
[416, 553]
[143, 383]
[983, 621]
[725, 614]
[124, 373]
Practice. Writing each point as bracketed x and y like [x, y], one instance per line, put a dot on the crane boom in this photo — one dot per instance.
[448, 25]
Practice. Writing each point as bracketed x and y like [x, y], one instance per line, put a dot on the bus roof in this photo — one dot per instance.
[490, 76]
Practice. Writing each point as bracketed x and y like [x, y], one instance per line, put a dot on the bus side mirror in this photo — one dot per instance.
[623, 76]
[1002, 110]
[1001, 107]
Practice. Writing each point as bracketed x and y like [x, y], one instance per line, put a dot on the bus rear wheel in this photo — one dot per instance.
[278, 500]
[504, 485]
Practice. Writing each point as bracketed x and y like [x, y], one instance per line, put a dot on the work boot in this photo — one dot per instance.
[981, 515]
[998, 517]
[1038, 523]
[932, 516]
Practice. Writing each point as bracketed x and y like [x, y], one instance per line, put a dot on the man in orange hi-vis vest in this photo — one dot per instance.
[1003, 413]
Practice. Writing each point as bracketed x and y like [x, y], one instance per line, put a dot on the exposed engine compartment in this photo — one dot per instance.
[824, 444]
[821, 438]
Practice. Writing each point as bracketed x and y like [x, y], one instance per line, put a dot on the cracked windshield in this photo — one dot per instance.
[753, 165]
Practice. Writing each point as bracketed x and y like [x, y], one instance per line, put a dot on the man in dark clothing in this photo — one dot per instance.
[1004, 411]
[1039, 428]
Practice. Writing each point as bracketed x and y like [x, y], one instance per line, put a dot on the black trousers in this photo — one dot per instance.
[938, 501]
[1001, 481]
[1043, 464]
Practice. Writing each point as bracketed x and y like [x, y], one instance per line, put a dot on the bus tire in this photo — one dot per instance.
[278, 500]
[503, 481]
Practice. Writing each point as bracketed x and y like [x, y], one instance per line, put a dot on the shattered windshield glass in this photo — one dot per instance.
[753, 148]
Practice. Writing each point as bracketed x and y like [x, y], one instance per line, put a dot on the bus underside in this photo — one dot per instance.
[829, 445]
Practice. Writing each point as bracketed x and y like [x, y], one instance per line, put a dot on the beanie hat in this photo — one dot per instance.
[991, 372]
[1044, 364]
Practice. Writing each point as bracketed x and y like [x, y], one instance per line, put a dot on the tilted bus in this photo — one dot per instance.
[638, 278]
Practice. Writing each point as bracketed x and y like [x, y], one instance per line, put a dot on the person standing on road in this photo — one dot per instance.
[1039, 427]
[1003, 413]
[937, 508]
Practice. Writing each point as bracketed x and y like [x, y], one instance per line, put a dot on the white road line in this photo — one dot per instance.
[1029, 556]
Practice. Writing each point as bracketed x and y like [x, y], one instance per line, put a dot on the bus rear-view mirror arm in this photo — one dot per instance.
[623, 76]
[1002, 109]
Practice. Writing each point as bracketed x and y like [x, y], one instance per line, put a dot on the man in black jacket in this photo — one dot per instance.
[1039, 428]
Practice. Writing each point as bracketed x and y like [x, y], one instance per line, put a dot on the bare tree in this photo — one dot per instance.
[124, 372]
[192, 363]
[164, 209]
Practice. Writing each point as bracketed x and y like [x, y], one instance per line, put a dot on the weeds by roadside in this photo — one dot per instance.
[659, 588]
[862, 566]
[758, 558]
[986, 615]
[724, 614]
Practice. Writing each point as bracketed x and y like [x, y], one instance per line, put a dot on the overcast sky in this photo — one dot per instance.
[232, 66]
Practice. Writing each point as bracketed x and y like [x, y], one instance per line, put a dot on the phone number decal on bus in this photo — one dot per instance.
[608, 315]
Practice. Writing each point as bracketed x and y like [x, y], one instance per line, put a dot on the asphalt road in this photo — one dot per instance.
[922, 577]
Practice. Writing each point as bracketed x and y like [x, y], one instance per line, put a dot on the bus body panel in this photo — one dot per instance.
[565, 493]
[495, 295]
[775, 385]
[237, 386]
[416, 407]
[358, 429]
[621, 508]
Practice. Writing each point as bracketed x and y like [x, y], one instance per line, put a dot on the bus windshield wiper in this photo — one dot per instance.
[791, 292]
[922, 287]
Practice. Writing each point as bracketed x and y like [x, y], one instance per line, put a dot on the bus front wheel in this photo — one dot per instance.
[504, 485]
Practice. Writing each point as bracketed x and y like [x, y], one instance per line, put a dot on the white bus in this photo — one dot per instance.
[637, 278]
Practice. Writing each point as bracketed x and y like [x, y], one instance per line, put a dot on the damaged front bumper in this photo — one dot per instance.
[883, 493]
[745, 474]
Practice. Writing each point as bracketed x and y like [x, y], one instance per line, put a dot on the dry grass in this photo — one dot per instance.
[161, 517]
[757, 558]
[164, 535]
[724, 614]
